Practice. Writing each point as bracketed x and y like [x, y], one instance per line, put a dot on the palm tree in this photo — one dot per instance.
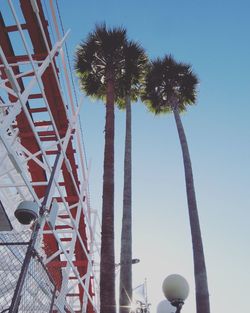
[99, 62]
[170, 87]
[135, 68]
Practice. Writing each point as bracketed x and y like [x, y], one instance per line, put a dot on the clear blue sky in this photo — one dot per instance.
[214, 37]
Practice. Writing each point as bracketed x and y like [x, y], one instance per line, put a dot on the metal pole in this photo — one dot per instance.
[178, 307]
[17, 294]
[53, 299]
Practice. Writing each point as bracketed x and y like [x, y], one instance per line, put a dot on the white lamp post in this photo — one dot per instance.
[176, 290]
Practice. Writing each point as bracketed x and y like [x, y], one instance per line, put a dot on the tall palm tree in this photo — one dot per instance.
[170, 87]
[99, 63]
[134, 74]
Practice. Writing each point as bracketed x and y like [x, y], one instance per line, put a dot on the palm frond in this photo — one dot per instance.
[133, 74]
[99, 58]
[169, 84]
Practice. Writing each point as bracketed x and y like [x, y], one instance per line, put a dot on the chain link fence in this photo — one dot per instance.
[38, 289]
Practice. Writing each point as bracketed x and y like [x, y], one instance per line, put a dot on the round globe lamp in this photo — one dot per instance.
[164, 307]
[176, 290]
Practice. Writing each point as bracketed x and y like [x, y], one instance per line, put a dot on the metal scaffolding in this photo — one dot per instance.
[39, 124]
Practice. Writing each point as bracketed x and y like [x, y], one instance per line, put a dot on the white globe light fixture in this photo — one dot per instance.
[164, 307]
[176, 290]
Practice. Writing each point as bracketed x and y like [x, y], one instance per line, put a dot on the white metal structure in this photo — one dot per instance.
[39, 123]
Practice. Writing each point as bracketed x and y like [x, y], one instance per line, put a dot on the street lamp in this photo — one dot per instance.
[133, 261]
[164, 307]
[176, 290]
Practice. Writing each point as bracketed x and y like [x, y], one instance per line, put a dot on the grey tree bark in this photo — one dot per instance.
[126, 235]
[200, 273]
[107, 267]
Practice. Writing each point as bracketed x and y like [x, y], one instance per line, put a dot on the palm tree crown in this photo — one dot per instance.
[169, 84]
[100, 58]
[133, 76]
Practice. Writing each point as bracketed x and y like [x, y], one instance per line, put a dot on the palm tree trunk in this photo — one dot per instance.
[107, 267]
[201, 285]
[126, 235]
